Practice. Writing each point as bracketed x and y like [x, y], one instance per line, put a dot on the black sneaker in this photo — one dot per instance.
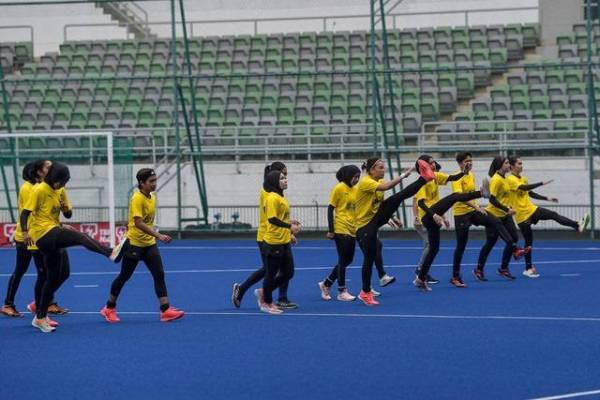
[431, 280]
[479, 275]
[504, 272]
[286, 305]
[235, 295]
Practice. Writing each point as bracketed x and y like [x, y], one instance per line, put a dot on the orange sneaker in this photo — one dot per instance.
[32, 307]
[367, 298]
[10, 311]
[52, 322]
[110, 315]
[56, 309]
[171, 314]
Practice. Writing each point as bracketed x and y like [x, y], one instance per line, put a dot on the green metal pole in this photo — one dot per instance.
[198, 167]
[591, 118]
[176, 116]
[387, 80]
[374, 101]
[12, 149]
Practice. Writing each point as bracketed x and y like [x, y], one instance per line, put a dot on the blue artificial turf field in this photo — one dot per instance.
[495, 340]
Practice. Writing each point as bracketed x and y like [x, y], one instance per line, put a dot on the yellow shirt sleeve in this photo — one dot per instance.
[32, 201]
[137, 207]
[495, 187]
[334, 197]
[64, 198]
[441, 178]
[368, 185]
[272, 205]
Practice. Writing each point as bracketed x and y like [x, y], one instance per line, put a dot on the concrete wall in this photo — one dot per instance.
[558, 17]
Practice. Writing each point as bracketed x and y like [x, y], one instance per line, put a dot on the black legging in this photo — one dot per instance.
[279, 268]
[23, 259]
[541, 214]
[433, 229]
[51, 245]
[259, 275]
[345, 246]
[131, 257]
[462, 223]
[492, 232]
[367, 235]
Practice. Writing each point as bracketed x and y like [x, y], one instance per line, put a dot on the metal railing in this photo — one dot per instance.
[327, 22]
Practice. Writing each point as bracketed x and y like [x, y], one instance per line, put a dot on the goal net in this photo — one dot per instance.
[100, 185]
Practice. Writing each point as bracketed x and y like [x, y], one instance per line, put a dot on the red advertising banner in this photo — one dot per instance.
[99, 231]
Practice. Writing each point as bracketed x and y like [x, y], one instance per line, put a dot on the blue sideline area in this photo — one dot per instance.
[494, 340]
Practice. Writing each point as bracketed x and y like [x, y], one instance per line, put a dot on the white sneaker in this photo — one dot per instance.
[583, 223]
[531, 273]
[118, 250]
[345, 296]
[325, 295]
[259, 297]
[386, 280]
[375, 293]
[42, 325]
[270, 309]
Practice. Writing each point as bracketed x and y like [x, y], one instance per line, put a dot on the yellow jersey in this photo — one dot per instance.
[430, 192]
[519, 199]
[24, 193]
[45, 205]
[342, 198]
[501, 191]
[463, 185]
[262, 218]
[277, 206]
[144, 207]
[366, 200]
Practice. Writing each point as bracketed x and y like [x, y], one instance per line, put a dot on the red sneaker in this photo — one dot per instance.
[31, 307]
[519, 252]
[171, 314]
[110, 315]
[425, 170]
[367, 298]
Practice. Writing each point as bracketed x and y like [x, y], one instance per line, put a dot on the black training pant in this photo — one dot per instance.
[433, 229]
[23, 260]
[259, 275]
[52, 246]
[132, 256]
[492, 232]
[462, 224]
[541, 214]
[279, 268]
[345, 246]
[367, 235]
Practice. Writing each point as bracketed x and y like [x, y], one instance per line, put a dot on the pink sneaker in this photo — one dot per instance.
[52, 322]
[270, 309]
[171, 314]
[110, 315]
[345, 296]
[425, 170]
[31, 307]
[367, 298]
[325, 295]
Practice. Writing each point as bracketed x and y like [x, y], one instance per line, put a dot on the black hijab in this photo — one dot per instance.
[271, 183]
[58, 173]
[346, 173]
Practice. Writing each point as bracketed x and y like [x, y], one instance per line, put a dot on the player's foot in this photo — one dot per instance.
[285, 304]
[583, 223]
[431, 280]
[10, 311]
[110, 315]
[367, 298]
[42, 325]
[170, 314]
[519, 252]
[531, 272]
[479, 275]
[425, 170]
[421, 285]
[56, 309]
[386, 280]
[118, 250]
[458, 282]
[325, 294]
[270, 309]
[345, 296]
[32, 307]
[258, 293]
[235, 295]
[52, 322]
[375, 293]
[505, 273]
